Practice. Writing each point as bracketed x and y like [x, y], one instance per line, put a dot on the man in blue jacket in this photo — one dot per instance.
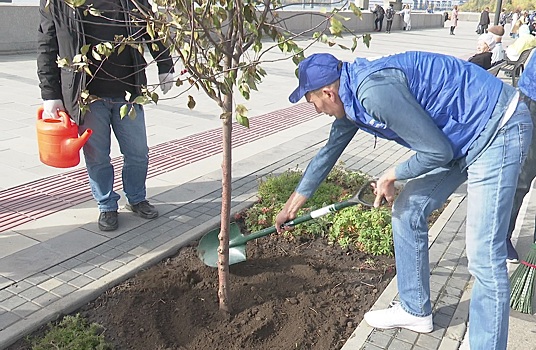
[464, 125]
[527, 86]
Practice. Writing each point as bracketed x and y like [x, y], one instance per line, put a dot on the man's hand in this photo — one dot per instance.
[166, 81]
[51, 108]
[289, 211]
[385, 188]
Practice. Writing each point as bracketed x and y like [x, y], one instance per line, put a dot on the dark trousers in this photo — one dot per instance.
[389, 25]
[378, 22]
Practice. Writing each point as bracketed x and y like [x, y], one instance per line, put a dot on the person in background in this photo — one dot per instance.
[516, 23]
[406, 16]
[484, 47]
[484, 21]
[453, 19]
[61, 33]
[503, 17]
[476, 131]
[524, 42]
[527, 86]
[389, 16]
[497, 53]
[379, 13]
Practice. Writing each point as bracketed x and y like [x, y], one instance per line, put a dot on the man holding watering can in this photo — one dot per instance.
[464, 125]
[116, 80]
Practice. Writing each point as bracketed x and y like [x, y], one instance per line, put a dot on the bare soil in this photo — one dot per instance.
[291, 293]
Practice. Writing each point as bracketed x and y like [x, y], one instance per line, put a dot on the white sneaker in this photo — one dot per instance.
[395, 316]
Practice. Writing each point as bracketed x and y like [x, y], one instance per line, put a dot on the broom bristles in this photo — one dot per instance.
[522, 283]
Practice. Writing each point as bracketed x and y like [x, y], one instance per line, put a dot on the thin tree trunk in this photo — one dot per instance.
[223, 250]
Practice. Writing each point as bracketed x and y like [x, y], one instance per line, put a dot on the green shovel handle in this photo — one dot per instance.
[300, 219]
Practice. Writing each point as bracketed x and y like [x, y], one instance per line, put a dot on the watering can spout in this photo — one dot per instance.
[76, 144]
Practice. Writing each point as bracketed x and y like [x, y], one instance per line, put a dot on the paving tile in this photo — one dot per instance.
[26, 309]
[5, 282]
[7, 319]
[18, 287]
[37, 278]
[32, 293]
[67, 276]
[379, 339]
[45, 299]
[74, 242]
[80, 281]
[427, 342]
[5, 294]
[369, 346]
[12, 302]
[50, 284]
[111, 265]
[63, 290]
[96, 273]
[55, 270]
[397, 344]
[22, 264]
[407, 336]
[125, 258]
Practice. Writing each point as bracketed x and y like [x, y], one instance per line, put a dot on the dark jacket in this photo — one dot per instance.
[61, 34]
[482, 59]
[484, 18]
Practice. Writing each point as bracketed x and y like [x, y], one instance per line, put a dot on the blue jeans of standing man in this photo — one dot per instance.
[491, 182]
[528, 173]
[103, 117]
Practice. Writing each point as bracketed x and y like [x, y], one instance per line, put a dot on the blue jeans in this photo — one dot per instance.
[491, 183]
[132, 139]
[528, 173]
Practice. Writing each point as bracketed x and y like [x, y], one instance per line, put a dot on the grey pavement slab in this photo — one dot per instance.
[53, 265]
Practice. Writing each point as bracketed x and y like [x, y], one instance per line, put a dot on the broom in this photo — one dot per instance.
[522, 283]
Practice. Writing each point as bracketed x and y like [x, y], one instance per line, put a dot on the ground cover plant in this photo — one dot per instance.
[306, 289]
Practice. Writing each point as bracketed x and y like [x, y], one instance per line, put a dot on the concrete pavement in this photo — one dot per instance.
[54, 259]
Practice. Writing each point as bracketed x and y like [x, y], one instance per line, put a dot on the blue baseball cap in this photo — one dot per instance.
[315, 72]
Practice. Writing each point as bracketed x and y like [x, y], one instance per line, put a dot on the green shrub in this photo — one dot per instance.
[72, 332]
[370, 230]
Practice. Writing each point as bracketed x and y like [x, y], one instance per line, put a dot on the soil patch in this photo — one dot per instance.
[291, 293]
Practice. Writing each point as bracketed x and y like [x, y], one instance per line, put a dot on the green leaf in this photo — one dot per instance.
[354, 44]
[191, 102]
[62, 62]
[132, 112]
[141, 100]
[123, 111]
[241, 109]
[366, 39]
[150, 29]
[95, 12]
[242, 120]
[154, 97]
[85, 49]
[356, 10]
[75, 3]
[96, 55]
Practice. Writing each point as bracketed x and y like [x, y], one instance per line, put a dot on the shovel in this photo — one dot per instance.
[207, 249]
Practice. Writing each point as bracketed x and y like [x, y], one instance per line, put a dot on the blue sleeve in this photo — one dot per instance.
[527, 82]
[385, 95]
[342, 132]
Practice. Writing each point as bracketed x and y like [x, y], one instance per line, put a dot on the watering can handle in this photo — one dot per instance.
[40, 111]
[65, 118]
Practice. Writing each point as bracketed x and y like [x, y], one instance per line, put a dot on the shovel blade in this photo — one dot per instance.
[207, 249]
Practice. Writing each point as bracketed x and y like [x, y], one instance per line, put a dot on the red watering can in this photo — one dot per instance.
[59, 144]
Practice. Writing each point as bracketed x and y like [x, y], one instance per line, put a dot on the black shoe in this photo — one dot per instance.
[512, 256]
[108, 221]
[144, 209]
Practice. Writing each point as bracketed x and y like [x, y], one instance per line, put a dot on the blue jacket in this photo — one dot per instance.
[457, 108]
[527, 82]
[440, 86]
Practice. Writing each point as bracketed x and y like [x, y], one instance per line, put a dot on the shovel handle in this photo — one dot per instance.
[300, 219]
